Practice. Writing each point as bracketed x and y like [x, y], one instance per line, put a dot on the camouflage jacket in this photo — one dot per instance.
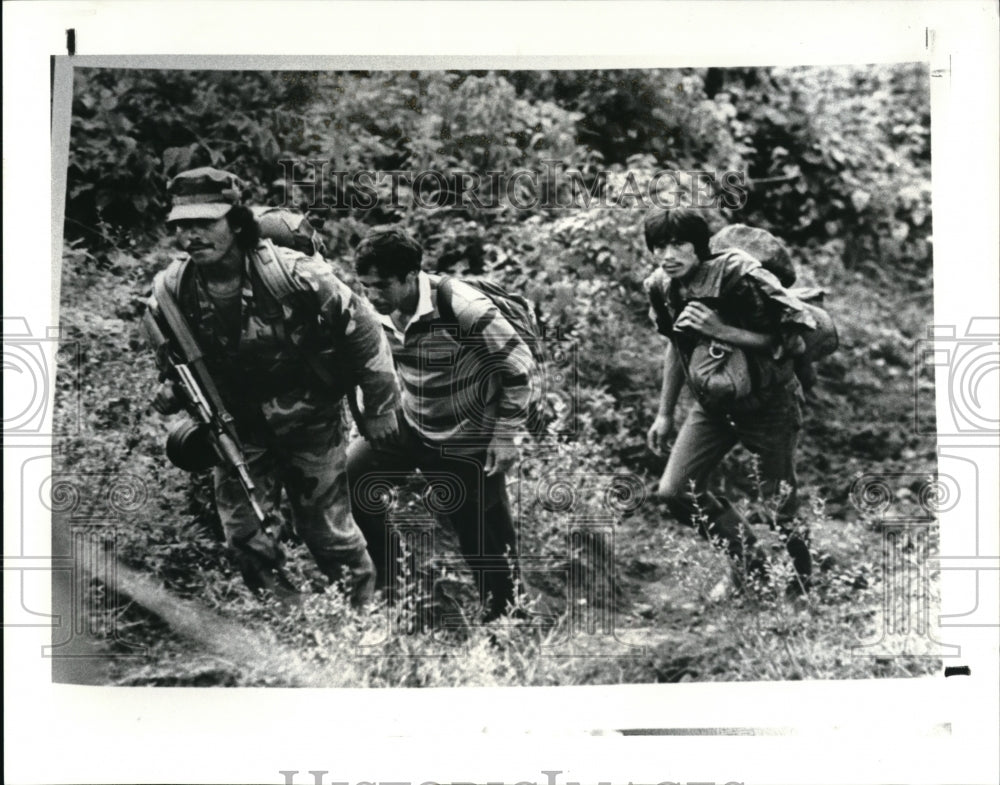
[263, 368]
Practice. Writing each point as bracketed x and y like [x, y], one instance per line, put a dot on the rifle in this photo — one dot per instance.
[259, 558]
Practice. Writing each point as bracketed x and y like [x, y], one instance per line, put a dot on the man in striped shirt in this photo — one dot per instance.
[465, 377]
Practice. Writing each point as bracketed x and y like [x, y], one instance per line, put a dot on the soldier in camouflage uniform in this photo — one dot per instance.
[282, 368]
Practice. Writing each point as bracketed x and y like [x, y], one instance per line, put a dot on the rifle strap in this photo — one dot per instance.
[273, 272]
[444, 299]
[280, 284]
[684, 366]
[446, 302]
[660, 308]
[188, 344]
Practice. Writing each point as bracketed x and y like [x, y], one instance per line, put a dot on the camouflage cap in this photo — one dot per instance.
[203, 193]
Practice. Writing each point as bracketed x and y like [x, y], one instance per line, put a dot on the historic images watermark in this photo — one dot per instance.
[590, 506]
[961, 363]
[905, 507]
[964, 365]
[28, 360]
[319, 777]
[86, 508]
[311, 184]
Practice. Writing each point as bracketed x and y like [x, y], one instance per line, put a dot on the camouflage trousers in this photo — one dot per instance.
[306, 456]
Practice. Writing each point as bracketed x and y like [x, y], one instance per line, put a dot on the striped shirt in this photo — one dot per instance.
[461, 382]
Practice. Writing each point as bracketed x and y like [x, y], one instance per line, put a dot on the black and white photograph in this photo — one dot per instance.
[643, 334]
[449, 388]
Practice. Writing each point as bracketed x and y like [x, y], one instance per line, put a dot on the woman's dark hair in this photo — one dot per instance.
[680, 225]
[243, 224]
[390, 250]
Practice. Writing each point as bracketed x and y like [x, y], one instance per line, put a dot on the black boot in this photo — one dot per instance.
[749, 560]
[798, 549]
[260, 559]
[356, 570]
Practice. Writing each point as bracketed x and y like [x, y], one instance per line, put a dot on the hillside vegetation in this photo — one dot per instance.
[836, 161]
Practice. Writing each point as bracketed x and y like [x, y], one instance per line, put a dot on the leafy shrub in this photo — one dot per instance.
[133, 129]
[663, 113]
[848, 154]
[830, 152]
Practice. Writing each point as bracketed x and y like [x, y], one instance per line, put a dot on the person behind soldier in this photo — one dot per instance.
[291, 422]
[465, 374]
[698, 296]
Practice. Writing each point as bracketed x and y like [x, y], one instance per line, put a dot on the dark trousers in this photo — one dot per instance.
[458, 491]
[703, 442]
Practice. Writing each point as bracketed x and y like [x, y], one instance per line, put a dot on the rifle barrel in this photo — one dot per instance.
[203, 398]
[195, 394]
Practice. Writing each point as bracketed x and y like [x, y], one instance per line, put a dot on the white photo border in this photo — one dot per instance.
[921, 730]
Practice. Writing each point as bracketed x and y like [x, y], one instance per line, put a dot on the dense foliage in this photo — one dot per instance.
[834, 154]
[836, 161]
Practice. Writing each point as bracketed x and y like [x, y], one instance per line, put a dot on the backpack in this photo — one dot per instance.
[289, 229]
[774, 257]
[524, 317]
[761, 245]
